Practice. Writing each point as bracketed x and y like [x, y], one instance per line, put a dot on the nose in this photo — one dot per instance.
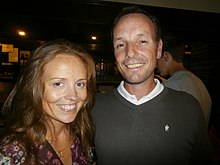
[70, 93]
[131, 50]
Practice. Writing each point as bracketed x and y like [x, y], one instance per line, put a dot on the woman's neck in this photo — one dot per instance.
[61, 143]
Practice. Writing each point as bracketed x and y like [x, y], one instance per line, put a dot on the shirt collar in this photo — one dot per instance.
[132, 98]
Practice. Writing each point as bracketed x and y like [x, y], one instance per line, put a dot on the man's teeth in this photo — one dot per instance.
[67, 107]
[135, 65]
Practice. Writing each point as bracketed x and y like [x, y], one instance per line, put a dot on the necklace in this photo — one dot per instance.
[61, 152]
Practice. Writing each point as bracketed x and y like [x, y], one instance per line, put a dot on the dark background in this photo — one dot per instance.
[78, 19]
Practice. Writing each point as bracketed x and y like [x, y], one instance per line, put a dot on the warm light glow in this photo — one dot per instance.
[188, 52]
[93, 37]
[21, 33]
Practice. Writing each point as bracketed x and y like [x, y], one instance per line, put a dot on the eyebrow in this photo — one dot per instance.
[83, 79]
[144, 34]
[117, 39]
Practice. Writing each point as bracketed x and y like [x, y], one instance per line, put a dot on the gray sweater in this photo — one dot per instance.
[169, 129]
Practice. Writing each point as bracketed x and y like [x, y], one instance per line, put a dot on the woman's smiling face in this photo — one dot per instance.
[65, 88]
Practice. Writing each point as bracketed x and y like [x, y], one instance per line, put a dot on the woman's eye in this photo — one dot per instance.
[81, 84]
[58, 84]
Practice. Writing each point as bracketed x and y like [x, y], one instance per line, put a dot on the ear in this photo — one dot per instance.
[166, 55]
[159, 49]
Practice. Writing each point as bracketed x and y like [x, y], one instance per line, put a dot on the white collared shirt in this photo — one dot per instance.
[132, 98]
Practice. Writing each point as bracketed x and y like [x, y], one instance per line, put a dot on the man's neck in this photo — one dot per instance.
[140, 90]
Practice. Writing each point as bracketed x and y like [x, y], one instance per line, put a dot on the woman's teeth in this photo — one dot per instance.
[67, 107]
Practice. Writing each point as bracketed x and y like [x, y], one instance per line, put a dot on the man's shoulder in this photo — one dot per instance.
[171, 91]
[178, 95]
[182, 100]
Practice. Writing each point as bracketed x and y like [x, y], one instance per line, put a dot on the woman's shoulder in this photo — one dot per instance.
[11, 151]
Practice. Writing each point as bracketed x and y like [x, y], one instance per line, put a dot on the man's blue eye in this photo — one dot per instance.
[143, 41]
[119, 45]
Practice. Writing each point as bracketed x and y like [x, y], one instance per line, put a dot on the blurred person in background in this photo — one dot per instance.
[179, 78]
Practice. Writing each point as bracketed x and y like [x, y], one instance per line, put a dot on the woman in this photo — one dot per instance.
[47, 114]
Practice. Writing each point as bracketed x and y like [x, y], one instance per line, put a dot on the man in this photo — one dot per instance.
[171, 64]
[142, 122]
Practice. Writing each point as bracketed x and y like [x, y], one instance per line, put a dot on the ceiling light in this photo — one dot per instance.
[21, 33]
[93, 38]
